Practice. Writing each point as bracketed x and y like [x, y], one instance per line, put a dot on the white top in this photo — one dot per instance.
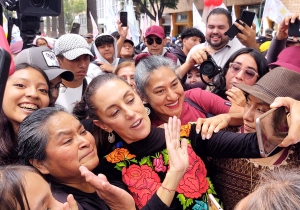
[93, 71]
[222, 55]
[69, 98]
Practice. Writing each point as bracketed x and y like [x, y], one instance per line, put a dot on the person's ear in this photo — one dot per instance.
[101, 125]
[40, 165]
[60, 62]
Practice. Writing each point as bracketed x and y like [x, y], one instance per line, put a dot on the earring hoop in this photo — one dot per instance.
[111, 137]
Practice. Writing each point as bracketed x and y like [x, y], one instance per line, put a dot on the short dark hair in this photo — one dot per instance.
[105, 39]
[189, 32]
[221, 11]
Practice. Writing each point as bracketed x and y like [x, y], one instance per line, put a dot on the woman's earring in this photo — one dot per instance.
[148, 110]
[111, 137]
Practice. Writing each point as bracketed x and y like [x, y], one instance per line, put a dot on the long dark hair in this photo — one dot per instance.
[12, 190]
[8, 137]
[260, 60]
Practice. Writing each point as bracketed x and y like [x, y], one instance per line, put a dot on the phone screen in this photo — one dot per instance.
[271, 128]
[213, 203]
[123, 18]
[294, 28]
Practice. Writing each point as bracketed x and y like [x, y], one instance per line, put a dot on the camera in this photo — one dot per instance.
[209, 67]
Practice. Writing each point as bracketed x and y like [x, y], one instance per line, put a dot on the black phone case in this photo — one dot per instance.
[75, 28]
[294, 28]
[247, 17]
[5, 59]
[123, 18]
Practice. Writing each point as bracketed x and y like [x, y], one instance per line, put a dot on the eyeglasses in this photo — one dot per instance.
[248, 73]
[59, 87]
[150, 41]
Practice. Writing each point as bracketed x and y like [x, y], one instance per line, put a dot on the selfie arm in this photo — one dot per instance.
[293, 106]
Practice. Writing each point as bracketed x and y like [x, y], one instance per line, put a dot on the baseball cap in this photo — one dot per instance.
[280, 82]
[44, 59]
[261, 39]
[155, 30]
[287, 59]
[71, 46]
[88, 35]
[129, 41]
[265, 46]
[168, 37]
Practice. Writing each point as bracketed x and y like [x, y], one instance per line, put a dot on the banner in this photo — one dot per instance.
[197, 20]
[133, 31]
[275, 10]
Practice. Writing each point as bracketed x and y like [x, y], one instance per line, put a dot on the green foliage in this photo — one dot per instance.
[120, 165]
[184, 202]
[72, 8]
[146, 161]
[166, 156]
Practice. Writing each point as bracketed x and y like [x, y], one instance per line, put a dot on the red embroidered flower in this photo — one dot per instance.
[159, 164]
[142, 183]
[193, 183]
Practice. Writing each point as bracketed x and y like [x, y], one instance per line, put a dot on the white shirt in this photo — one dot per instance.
[69, 98]
[223, 54]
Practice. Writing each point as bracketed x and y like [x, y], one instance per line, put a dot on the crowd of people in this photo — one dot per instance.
[99, 123]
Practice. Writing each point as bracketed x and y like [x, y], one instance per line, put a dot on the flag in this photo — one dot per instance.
[257, 24]
[275, 10]
[95, 27]
[133, 32]
[144, 24]
[157, 22]
[110, 18]
[197, 20]
[233, 14]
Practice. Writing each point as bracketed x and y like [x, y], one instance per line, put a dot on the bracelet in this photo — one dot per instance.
[167, 189]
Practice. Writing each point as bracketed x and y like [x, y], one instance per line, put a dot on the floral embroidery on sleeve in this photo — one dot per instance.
[185, 130]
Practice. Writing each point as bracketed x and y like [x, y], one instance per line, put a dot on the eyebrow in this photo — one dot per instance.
[124, 96]
[163, 86]
[27, 80]
[67, 132]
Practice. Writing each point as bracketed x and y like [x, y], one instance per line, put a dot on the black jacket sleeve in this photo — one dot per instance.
[225, 145]
[155, 204]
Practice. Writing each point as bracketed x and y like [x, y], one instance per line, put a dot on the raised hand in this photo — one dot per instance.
[177, 150]
[236, 95]
[71, 204]
[282, 32]
[115, 197]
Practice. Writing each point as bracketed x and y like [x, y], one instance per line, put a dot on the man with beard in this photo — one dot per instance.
[217, 44]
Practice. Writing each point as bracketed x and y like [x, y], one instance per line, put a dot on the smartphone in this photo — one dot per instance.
[247, 17]
[213, 204]
[123, 18]
[75, 28]
[294, 28]
[271, 128]
[5, 59]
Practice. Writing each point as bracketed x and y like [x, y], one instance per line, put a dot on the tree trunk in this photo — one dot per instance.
[48, 26]
[91, 7]
[54, 27]
[42, 26]
[61, 20]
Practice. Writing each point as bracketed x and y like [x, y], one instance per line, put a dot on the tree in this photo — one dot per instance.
[61, 21]
[157, 6]
[54, 27]
[48, 26]
[91, 7]
[71, 9]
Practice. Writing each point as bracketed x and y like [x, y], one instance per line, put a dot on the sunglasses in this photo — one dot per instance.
[248, 73]
[150, 41]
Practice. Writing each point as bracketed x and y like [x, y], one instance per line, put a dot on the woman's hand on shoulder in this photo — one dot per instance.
[177, 150]
[115, 197]
[106, 67]
[211, 125]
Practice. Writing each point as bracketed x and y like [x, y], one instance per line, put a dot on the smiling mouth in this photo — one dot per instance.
[136, 124]
[173, 104]
[29, 107]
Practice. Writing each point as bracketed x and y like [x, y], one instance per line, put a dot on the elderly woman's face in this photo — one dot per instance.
[165, 93]
[25, 91]
[127, 73]
[69, 147]
[121, 110]
[243, 61]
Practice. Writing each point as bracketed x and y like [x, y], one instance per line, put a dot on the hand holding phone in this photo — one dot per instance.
[271, 128]
[247, 17]
[123, 18]
[294, 28]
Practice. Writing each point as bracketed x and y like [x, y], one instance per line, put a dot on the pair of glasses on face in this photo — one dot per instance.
[61, 88]
[248, 73]
[150, 40]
